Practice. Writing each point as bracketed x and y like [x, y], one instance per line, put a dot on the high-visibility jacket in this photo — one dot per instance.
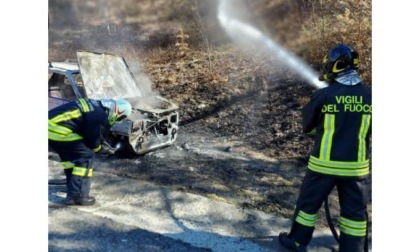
[341, 115]
[83, 119]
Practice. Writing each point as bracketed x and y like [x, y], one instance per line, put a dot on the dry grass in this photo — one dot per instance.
[332, 22]
[307, 27]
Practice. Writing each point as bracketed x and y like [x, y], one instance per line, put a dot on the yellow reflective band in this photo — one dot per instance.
[82, 171]
[353, 232]
[66, 116]
[339, 172]
[339, 168]
[307, 216]
[58, 128]
[353, 223]
[84, 104]
[353, 228]
[63, 138]
[364, 127]
[339, 164]
[61, 133]
[67, 164]
[326, 142]
[306, 219]
[97, 148]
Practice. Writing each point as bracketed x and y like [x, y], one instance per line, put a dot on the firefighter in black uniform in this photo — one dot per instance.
[75, 132]
[340, 117]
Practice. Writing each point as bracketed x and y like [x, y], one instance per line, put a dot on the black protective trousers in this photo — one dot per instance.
[353, 198]
[80, 155]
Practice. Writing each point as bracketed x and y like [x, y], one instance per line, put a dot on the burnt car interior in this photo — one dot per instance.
[59, 86]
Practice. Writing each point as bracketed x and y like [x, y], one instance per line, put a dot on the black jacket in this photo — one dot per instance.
[341, 115]
[82, 119]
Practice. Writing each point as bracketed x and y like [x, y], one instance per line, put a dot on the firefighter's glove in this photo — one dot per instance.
[105, 150]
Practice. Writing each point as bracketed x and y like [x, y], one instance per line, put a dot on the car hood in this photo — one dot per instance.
[108, 76]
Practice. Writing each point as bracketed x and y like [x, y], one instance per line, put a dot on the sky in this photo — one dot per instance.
[24, 188]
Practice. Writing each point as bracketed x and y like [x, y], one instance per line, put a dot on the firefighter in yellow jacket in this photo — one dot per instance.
[75, 132]
[340, 115]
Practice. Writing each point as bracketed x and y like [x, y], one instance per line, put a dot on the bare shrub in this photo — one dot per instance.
[181, 43]
[332, 22]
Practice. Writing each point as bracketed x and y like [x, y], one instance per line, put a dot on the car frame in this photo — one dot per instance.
[154, 120]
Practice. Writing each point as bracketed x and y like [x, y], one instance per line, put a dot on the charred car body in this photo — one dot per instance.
[154, 120]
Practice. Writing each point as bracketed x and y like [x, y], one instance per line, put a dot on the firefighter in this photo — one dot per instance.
[340, 118]
[75, 132]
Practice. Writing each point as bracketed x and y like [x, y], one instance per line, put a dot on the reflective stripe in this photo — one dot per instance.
[326, 142]
[62, 133]
[339, 164]
[339, 168]
[67, 164]
[352, 227]
[85, 106]
[82, 171]
[66, 116]
[97, 148]
[58, 128]
[306, 219]
[364, 127]
[63, 138]
[337, 172]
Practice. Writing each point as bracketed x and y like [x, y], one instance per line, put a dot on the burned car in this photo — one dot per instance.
[153, 122]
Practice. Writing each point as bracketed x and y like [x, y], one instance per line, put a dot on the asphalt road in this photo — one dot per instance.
[138, 216]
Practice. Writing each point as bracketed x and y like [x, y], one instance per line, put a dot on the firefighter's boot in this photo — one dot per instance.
[78, 191]
[291, 244]
[350, 243]
[85, 198]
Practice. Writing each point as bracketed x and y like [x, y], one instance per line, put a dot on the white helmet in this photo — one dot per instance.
[117, 109]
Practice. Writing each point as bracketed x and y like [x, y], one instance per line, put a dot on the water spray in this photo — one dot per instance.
[240, 32]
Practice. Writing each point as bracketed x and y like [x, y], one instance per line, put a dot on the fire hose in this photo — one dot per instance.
[334, 231]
